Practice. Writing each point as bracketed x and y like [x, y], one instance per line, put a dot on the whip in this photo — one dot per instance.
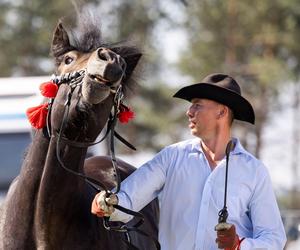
[223, 213]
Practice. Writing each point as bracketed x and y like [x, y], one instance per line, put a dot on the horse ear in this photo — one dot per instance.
[132, 60]
[131, 55]
[60, 42]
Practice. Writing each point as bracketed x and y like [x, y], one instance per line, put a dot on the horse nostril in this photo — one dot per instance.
[102, 54]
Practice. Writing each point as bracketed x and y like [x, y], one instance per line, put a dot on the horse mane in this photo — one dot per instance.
[86, 36]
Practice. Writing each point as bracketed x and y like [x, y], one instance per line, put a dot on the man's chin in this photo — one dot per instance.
[193, 132]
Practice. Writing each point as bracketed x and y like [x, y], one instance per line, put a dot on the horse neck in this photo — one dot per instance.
[62, 197]
[56, 179]
[45, 192]
[22, 194]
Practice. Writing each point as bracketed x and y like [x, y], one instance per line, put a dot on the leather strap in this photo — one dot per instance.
[239, 245]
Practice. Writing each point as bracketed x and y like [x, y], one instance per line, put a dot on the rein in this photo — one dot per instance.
[74, 80]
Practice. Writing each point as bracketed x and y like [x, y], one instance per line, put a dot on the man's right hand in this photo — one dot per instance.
[102, 204]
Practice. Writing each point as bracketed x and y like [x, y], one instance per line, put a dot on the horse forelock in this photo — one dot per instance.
[87, 33]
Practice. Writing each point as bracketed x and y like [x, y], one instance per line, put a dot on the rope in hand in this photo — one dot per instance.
[96, 184]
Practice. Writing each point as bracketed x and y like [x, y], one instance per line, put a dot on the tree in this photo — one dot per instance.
[26, 29]
[154, 125]
[247, 39]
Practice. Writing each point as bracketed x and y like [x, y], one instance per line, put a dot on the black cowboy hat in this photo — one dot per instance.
[223, 89]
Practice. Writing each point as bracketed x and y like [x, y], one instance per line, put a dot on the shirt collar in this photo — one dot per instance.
[196, 145]
[238, 149]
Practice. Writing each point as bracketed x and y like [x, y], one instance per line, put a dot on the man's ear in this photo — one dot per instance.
[60, 41]
[222, 112]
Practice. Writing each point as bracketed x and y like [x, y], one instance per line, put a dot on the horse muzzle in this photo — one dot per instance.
[105, 70]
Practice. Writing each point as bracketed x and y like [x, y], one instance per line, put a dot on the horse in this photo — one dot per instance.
[48, 206]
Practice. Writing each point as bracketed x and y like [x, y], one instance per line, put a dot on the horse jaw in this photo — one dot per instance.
[94, 92]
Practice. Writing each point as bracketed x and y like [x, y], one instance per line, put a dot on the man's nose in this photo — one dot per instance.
[189, 113]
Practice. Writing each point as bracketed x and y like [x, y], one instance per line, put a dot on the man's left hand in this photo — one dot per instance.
[226, 237]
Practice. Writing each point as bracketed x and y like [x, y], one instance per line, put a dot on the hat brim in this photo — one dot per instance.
[240, 107]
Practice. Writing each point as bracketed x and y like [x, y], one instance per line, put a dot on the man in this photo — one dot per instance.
[188, 179]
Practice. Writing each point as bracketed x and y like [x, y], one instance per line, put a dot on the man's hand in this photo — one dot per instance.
[102, 204]
[226, 236]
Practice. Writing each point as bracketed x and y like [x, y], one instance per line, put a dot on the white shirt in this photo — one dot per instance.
[191, 195]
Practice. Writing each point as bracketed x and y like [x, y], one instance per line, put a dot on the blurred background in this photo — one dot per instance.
[255, 41]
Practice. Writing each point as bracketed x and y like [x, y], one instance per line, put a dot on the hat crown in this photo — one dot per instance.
[223, 81]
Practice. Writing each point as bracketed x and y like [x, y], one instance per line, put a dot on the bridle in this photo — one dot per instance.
[74, 80]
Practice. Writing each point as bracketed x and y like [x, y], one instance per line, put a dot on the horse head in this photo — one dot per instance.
[100, 74]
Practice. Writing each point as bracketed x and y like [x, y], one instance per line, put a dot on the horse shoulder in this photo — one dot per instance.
[101, 169]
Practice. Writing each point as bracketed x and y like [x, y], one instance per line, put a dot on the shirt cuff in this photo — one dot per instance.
[118, 215]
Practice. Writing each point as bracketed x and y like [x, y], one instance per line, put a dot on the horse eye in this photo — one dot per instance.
[68, 60]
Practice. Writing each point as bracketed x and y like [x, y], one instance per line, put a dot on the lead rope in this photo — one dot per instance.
[117, 101]
[92, 182]
[96, 184]
[124, 228]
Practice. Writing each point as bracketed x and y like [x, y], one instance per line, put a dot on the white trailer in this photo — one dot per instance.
[16, 95]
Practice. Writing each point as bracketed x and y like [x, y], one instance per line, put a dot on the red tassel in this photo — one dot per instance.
[125, 114]
[37, 115]
[49, 89]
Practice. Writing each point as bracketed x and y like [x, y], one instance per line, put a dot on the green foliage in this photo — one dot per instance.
[253, 40]
[26, 32]
[158, 118]
[256, 41]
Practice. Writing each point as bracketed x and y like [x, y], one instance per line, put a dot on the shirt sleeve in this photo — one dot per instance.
[268, 230]
[142, 186]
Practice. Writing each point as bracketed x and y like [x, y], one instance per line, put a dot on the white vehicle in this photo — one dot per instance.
[16, 95]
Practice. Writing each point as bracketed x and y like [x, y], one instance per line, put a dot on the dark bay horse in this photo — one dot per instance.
[47, 207]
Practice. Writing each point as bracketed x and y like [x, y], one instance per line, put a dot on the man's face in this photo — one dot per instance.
[203, 117]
